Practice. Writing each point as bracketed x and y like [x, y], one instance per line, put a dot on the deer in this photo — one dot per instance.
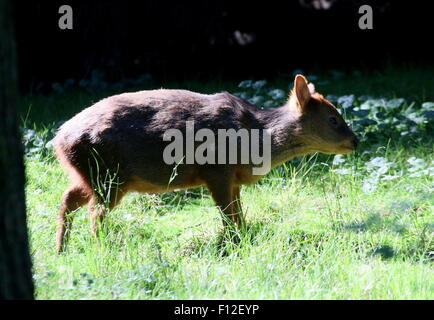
[116, 145]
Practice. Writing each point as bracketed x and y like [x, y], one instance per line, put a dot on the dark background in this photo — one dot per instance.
[198, 39]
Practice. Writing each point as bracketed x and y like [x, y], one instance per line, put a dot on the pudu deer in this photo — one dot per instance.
[122, 137]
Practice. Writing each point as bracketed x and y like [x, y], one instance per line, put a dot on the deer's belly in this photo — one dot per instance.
[139, 185]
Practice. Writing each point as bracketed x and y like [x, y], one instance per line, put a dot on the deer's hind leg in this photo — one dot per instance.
[73, 198]
[98, 207]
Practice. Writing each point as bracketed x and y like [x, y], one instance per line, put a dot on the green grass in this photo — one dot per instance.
[312, 233]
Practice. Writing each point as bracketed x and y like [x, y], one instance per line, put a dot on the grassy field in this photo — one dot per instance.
[322, 227]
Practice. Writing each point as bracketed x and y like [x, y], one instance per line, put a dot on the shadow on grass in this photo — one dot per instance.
[373, 223]
[303, 244]
[385, 252]
[226, 242]
[415, 246]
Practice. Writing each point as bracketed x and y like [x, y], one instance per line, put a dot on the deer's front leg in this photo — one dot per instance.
[223, 195]
[238, 212]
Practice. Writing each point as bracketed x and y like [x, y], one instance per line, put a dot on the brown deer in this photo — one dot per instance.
[116, 146]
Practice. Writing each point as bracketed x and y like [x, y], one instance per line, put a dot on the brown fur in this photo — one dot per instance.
[121, 137]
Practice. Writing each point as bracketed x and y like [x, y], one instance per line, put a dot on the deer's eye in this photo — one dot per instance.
[333, 121]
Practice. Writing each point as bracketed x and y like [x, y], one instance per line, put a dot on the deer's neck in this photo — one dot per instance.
[286, 134]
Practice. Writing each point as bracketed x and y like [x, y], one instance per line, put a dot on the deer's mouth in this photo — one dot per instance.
[350, 146]
[343, 148]
[347, 150]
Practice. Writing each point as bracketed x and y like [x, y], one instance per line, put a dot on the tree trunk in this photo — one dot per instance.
[15, 264]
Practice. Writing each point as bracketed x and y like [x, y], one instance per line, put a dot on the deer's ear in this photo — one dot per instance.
[301, 90]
